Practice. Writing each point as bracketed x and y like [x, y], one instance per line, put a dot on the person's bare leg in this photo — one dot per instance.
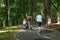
[29, 24]
[40, 28]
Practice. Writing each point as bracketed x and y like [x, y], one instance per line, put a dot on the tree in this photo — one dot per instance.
[47, 11]
[7, 13]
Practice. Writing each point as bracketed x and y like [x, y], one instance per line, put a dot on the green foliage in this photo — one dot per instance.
[56, 1]
[53, 15]
[19, 9]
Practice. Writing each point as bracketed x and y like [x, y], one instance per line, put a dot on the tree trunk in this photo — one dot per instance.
[3, 23]
[47, 10]
[7, 13]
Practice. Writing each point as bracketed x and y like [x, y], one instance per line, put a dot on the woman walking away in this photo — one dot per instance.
[29, 21]
[39, 21]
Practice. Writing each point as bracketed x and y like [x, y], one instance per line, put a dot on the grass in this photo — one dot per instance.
[7, 36]
[8, 33]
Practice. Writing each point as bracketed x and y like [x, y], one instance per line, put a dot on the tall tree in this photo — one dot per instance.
[47, 11]
[7, 13]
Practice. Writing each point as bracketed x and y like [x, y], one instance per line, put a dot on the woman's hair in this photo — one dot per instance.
[39, 13]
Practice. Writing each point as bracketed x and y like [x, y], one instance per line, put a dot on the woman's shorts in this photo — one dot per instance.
[39, 24]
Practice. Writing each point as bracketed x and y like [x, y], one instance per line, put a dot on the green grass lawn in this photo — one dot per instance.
[8, 35]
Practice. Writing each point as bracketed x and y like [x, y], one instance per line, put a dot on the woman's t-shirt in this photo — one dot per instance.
[39, 18]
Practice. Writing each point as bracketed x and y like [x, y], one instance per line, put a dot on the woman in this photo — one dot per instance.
[29, 21]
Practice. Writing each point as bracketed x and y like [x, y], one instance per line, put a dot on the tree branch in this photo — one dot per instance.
[54, 6]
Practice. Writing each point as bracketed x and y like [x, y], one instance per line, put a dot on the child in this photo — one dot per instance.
[24, 23]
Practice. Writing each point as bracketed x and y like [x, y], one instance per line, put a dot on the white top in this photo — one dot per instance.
[39, 18]
[24, 22]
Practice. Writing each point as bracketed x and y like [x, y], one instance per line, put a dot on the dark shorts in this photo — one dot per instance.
[39, 24]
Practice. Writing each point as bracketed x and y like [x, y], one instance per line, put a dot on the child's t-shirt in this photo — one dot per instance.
[24, 22]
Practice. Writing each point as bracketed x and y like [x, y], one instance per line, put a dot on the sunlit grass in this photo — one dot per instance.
[10, 28]
[8, 33]
[7, 36]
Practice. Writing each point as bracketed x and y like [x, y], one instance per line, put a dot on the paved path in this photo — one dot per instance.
[33, 35]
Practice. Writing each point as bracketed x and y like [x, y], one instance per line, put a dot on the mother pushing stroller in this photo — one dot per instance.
[28, 19]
